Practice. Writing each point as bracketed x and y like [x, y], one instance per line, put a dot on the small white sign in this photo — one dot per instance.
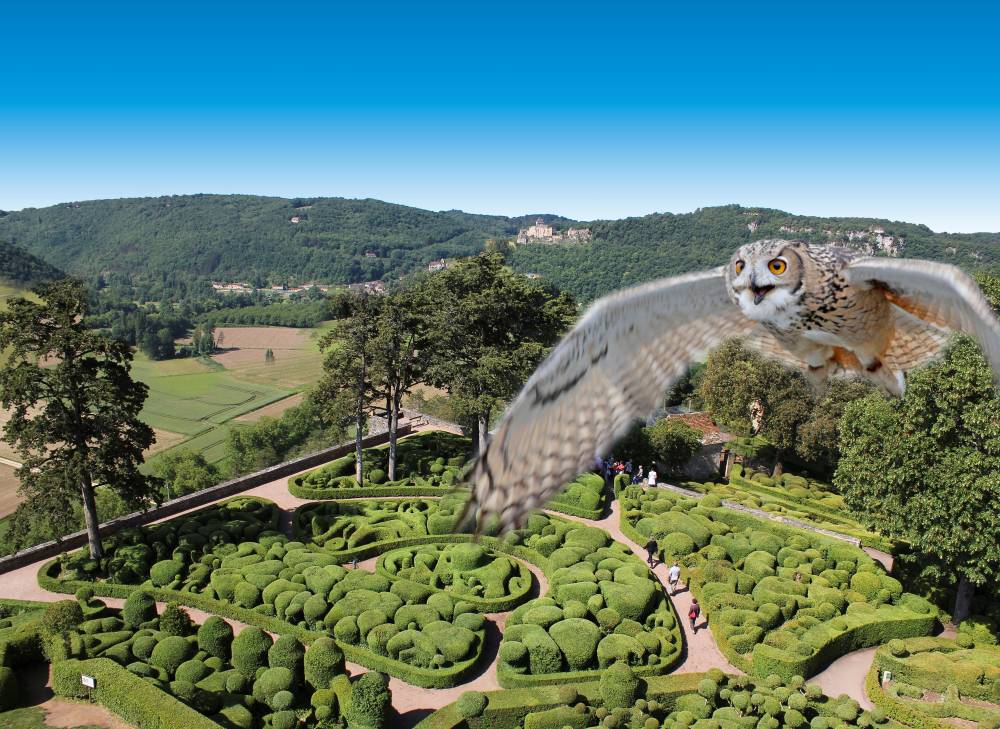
[886, 676]
[88, 681]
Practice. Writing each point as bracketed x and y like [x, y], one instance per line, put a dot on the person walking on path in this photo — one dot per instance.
[652, 477]
[651, 547]
[693, 614]
[673, 575]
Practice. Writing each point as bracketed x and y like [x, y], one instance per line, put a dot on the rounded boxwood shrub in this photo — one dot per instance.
[171, 652]
[287, 652]
[284, 719]
[471, 704]
[61, 617]
[192, 671]
[166, 571]
[139, 608]
[323, 660]
[142, 646]
[250, 650]
[376, 475]
[370, 701]
[176, 621]
[618, 686]
[271, 682]
[215, 636]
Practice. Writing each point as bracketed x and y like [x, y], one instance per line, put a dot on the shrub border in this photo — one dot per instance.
[123, 693]
[505, 709]
[807, 666]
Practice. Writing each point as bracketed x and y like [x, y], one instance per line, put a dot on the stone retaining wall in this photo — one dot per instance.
[47, 550]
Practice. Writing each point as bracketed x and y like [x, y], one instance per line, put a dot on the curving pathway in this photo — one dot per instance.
[700, 652]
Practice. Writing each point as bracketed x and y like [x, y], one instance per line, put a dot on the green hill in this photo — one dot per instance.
[633, 250]
[240, 237]
[248, 238]
[21, 269]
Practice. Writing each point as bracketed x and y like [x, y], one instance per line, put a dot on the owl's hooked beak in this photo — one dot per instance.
[759, 292]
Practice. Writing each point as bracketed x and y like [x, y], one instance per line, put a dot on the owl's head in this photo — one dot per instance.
[765, 277]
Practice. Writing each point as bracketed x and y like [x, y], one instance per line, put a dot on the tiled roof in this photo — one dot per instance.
[711, 434]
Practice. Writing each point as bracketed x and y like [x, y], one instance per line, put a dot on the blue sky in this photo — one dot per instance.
[587, 110]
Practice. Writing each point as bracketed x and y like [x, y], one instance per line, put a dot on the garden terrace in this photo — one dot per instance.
[395, 625]
[779, 600]
[428, 463]
[368, 527]
[468, 572]
[795, 497]
[621, 700]
[584, 497]
[603, 605]
[164, 670]
[935, 680]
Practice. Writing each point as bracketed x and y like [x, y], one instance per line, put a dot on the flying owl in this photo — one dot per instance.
[820, 308]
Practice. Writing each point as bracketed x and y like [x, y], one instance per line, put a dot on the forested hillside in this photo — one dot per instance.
[17, 266]
[633, 250]
[243, 237]
[168, 247]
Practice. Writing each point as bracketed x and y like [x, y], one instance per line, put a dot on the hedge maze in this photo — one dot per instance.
[620, 699]
[792, 496]
[249, 681]
[593, 644]
[603, 606]
[779, 600]
[934, 680]
[427, 463]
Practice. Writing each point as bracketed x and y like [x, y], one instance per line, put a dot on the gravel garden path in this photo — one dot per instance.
[844, 676]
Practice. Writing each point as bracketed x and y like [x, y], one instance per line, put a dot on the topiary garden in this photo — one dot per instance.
[426, 463]
[778, 600]
[603, 606]
[932, 681]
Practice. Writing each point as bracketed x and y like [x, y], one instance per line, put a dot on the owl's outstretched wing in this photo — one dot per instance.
[933, 297]
[613, 367]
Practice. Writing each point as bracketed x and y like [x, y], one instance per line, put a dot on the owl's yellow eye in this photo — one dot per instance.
[739, 267]
[777, 266]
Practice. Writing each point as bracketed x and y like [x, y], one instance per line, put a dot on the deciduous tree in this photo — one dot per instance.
[74, 407]
[490, 329]
[926, 468]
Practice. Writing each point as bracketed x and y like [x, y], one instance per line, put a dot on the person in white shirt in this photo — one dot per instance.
[652, 476]
[673, 575]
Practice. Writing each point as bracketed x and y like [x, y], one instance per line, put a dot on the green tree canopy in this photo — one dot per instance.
[489, 329]
[734, 377]
[673, 441]
[74, 409]
[926, 468]
[818, 441]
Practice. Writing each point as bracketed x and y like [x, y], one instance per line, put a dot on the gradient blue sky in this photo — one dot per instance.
[590, 110]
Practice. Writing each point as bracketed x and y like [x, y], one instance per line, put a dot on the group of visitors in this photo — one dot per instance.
[673, 580]
[610, 467]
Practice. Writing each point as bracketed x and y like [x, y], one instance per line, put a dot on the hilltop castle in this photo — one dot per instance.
[541, 232]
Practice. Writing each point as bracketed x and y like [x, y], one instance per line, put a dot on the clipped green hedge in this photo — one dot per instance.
[775, 596]
[602, 605]
[934, 664]
[427, 463]
[488, 582]
[583, 497]
[135, 700]
[900, 711]
[507, 708]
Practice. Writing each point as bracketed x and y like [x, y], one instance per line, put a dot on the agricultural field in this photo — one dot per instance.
[194, 403]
